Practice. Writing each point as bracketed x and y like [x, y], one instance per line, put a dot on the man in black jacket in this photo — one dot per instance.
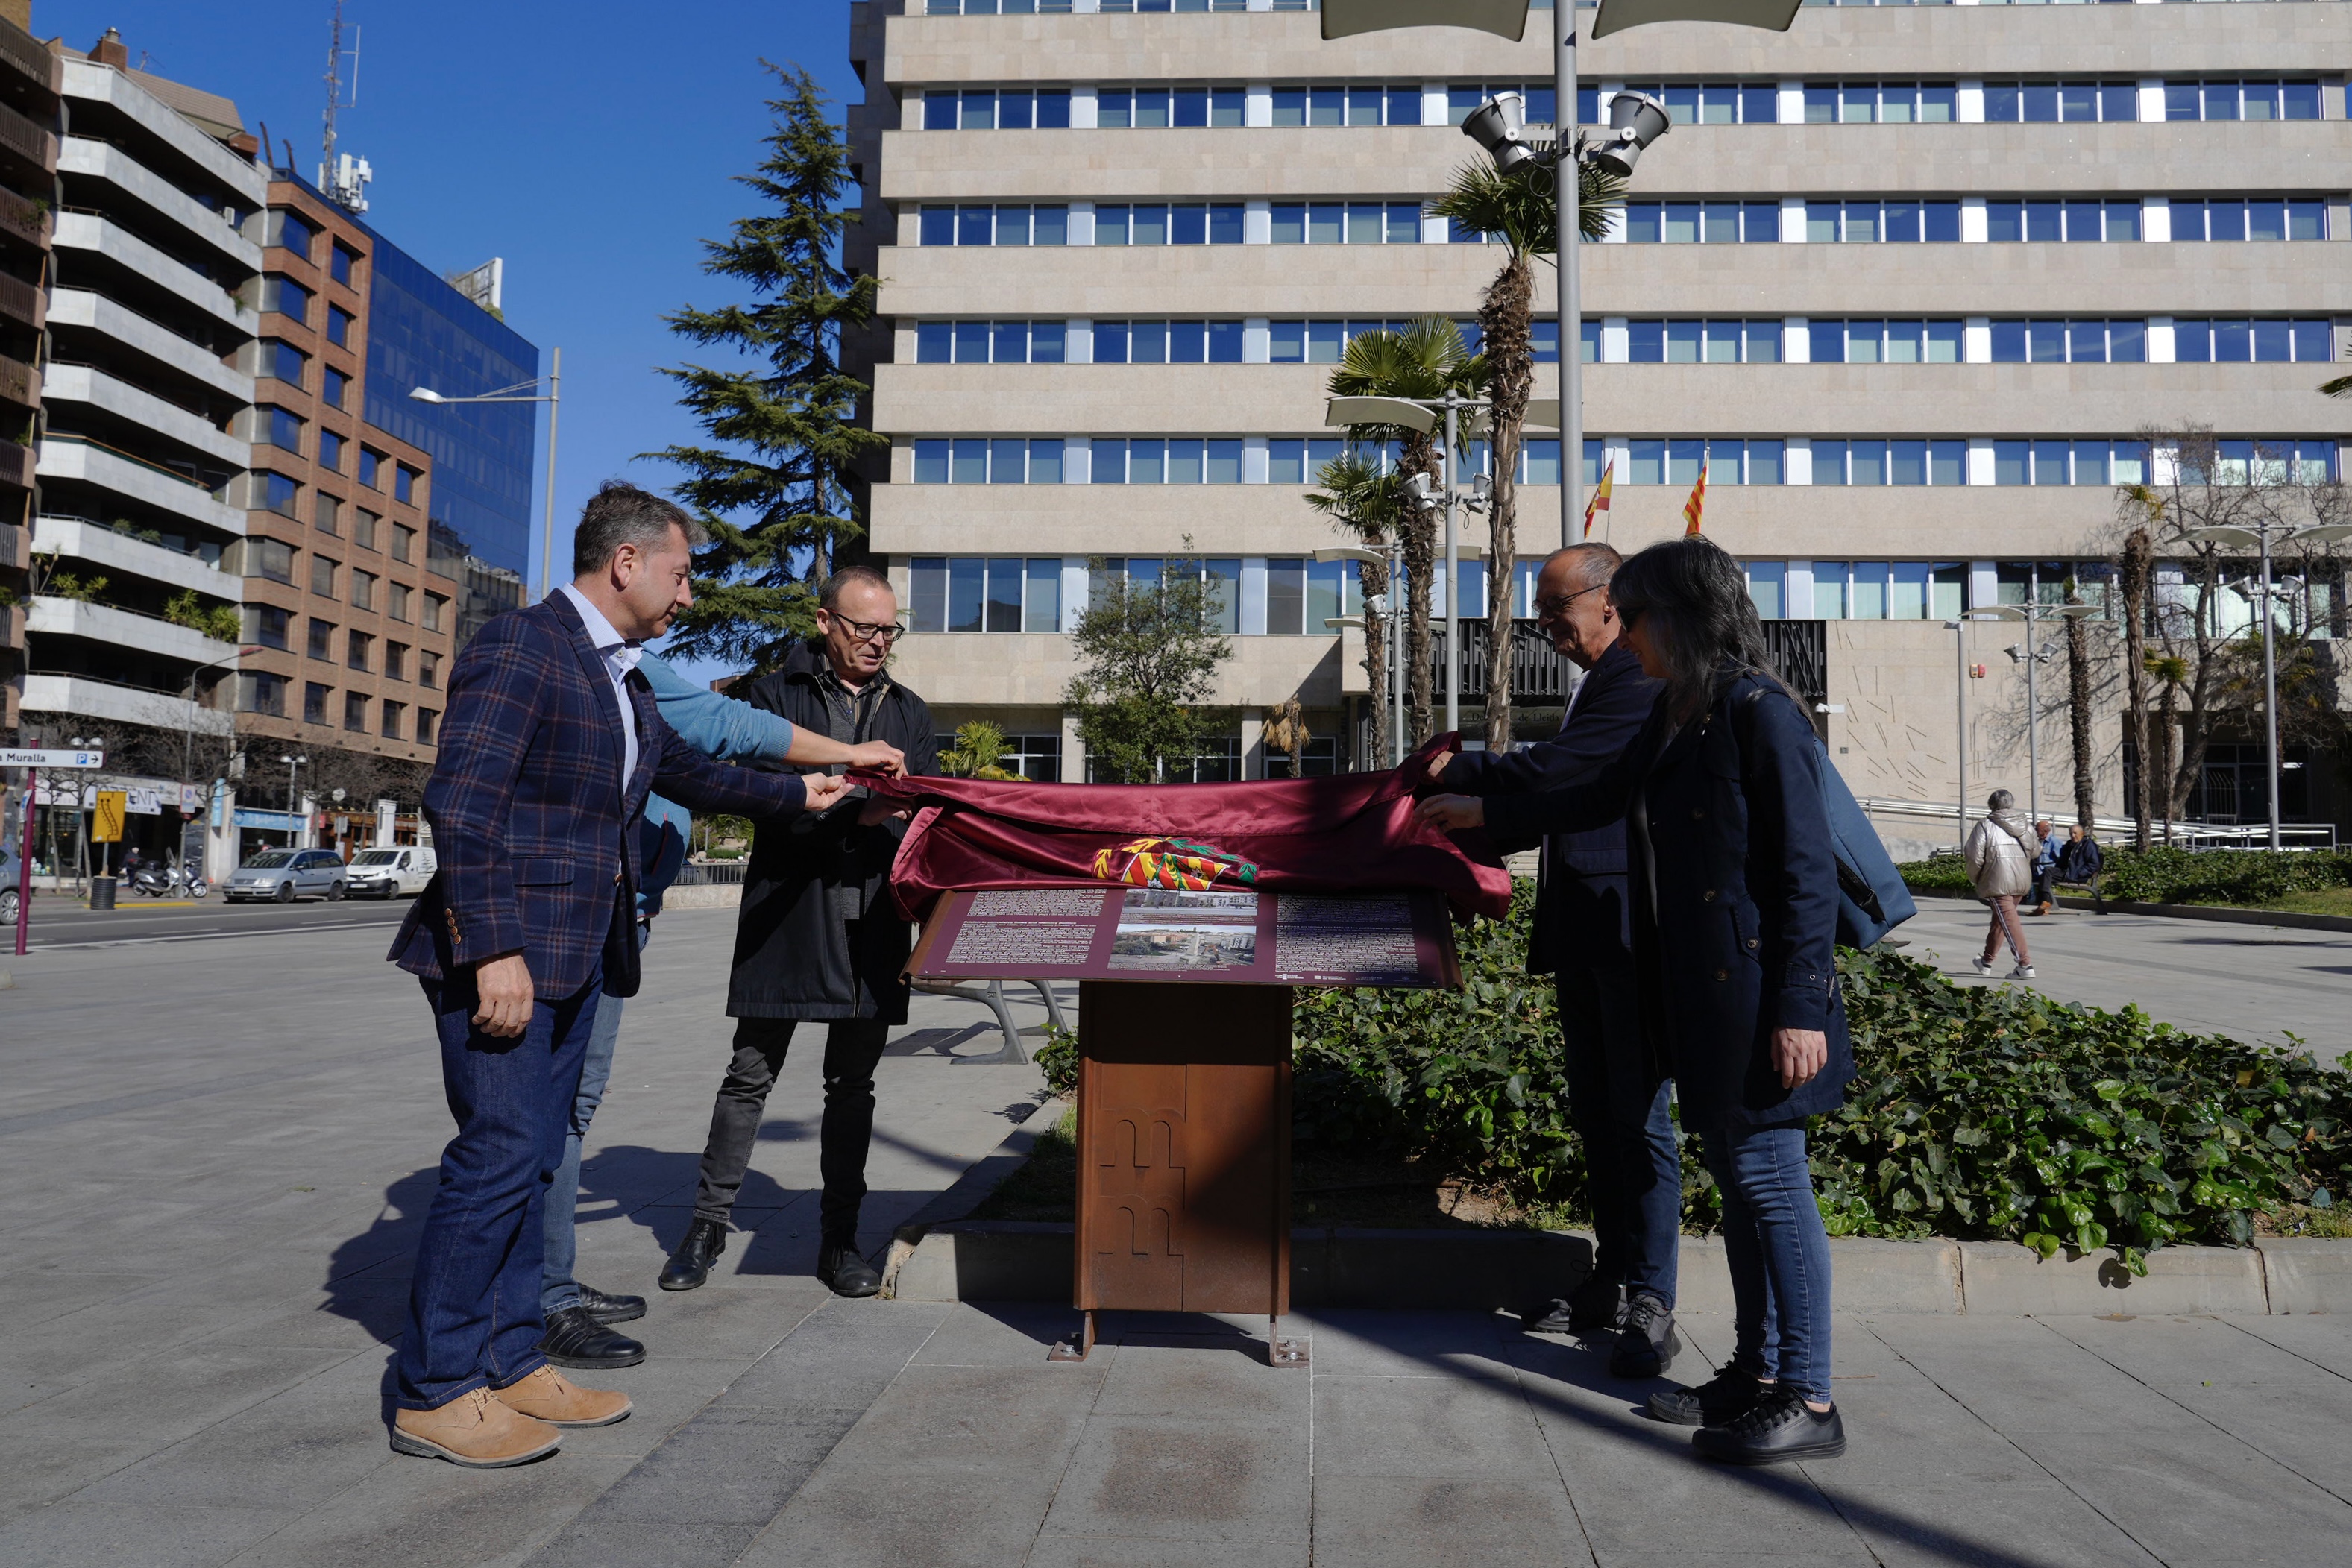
[818, 939]
[1617, 1083]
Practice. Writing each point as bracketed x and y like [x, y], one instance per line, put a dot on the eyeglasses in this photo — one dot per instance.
[1550, 608]
[882, 631]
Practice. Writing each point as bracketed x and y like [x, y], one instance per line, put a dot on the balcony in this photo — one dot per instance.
[81, 308]
[143, 411]
[91, 697]
[94, 160]
[23, 301]
[124, 555]
[35, 144]
[19, 382]
[54, 617]
[25, 217]
[22, 52]
[72, 457]
[15, 466]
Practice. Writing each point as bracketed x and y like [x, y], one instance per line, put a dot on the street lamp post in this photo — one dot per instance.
[2263, 593]
[293, 802]
[2033, 613]
[1392, 699]
[553, 400]
[188, 737]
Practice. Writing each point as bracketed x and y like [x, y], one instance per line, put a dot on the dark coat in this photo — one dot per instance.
[796, 956]
[1583, 917]
[2079, 860]
[534, 835]
[1736, 919]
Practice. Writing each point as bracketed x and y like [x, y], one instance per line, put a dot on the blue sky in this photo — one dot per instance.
[590, 143]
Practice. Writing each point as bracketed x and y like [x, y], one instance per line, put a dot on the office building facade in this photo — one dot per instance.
[1911, 283]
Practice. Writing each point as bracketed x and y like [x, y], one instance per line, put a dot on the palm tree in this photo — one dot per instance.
[1368, 504]
[2078, 710]
[2139, 572]
[1423, 361]
[1522, 214]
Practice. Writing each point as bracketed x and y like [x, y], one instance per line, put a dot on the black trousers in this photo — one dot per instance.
[851, 1048]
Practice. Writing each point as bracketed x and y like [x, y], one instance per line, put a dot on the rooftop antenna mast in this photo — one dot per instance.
[341, 179]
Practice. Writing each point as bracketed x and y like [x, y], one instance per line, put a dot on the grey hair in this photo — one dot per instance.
[829, 596]
[1594, 562]
[621, 514]
[2000, 800]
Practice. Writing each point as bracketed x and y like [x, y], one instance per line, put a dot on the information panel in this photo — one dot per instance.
[1111, 932]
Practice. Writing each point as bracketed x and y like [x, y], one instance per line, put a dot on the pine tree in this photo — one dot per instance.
[773, 488]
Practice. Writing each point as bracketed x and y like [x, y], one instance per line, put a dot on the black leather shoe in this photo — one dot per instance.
[1730, 1393]
[1780, 1427]
[1596, 1305]
[690, 1266]
[575, 1339]
[607, 1309]
[1646, 1344]
[845, 1273]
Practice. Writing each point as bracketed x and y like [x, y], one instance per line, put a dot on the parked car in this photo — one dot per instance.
[286, 875]
[387, 873]
[9, 868]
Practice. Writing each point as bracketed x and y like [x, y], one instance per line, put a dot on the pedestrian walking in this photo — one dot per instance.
[550, 744]
[2045, 868]
[818, 940]
[1734, 921]
[579, 1318]
[1618, 1092]
[1999, 854]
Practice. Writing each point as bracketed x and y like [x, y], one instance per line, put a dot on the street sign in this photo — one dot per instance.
[12, 756]
[106, 826]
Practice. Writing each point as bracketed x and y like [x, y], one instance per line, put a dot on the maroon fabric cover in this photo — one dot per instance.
[1344, 834]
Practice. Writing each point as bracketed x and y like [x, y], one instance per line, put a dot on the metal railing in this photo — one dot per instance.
[713, 873]
[1798, 651]
[2112, 831]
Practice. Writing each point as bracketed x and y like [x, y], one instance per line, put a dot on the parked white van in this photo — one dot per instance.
[380, 873]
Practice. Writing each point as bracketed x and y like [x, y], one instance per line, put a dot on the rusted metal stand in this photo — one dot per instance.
[1183, 1155]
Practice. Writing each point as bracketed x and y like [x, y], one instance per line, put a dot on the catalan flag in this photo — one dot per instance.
[1697, 502]
[1599, 502]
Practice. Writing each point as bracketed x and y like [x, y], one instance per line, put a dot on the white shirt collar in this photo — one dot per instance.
[601, 634]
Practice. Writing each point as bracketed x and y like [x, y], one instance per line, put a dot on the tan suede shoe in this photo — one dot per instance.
[474, 1429]
[550, 1397]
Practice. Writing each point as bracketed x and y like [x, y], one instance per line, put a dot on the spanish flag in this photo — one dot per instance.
[1697, 502]
[1599, 502]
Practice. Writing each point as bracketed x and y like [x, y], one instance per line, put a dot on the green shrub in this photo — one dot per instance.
[1975, 1113]
[1947, 875]
[2177, 876]
[1057, 1058]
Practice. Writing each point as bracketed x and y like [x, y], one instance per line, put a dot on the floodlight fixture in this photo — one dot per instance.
[1635, 120]
[1499, 126]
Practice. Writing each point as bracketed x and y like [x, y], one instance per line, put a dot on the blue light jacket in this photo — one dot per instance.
[719, 727]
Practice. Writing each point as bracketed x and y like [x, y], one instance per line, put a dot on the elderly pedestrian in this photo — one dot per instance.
[2079, 860]
[1735, 887]
[2045, 868]
[1999, 854]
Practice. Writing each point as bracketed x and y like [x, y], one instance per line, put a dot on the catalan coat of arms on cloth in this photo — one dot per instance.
[1178, 864]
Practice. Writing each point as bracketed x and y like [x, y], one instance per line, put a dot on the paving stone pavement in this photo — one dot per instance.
[212, 1159]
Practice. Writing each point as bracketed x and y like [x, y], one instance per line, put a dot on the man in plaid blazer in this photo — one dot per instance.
[550, 743]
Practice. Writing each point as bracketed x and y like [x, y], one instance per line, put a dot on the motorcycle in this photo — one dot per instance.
[158, 881]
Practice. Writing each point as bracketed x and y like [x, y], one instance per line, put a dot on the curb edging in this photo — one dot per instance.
[2226, 914]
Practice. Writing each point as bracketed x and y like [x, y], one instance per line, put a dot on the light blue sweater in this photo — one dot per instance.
[719, 726]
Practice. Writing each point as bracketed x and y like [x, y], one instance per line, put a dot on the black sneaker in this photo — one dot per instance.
[610, 1309]
[1729, 1393]
[1595, 1306]
[1646, 1344]
[1780, 1426]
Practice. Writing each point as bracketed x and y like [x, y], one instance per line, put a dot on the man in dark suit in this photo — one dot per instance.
[1617, 1085]
[549, 745]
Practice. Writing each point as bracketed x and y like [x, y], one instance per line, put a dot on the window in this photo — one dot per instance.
[287, 297]
[395, 661]
[355, 712]
[1000, 225]
[330, 450]
[332, 386]
[2259, 219]
[324, 512]
[282, 428]
[2074, 222]
[279, 494]
[435, 609]
[314, 702]
[371, 460]
[978, 462]
[1886, 223]
[283, 361]
[1185, 222]
[363, 590]
[1298, 461]
[396, 603]
[1702, 222]
[1047, 109]
[975, 593]
[1169, 342]
[403, 539]
[392, 712]
[356, 648]
[2258, 100]
[266, 625]
[271, 559]
[403, 483]
[1907, 462]
[981, 342]
[259, 691]
[2049, 102]
[426, 719]
[322, 638]
[340, 262]
[363, 523]
[292, 231]
[322, 576]
[1180, 460]
[1703, 343]
[428, 668]
[2200, 340]
[339, 326]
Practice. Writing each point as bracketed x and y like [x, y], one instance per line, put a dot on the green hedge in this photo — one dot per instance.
[2177, 876]
[1988, 1113]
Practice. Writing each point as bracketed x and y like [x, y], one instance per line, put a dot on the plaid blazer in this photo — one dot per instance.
[530, 825]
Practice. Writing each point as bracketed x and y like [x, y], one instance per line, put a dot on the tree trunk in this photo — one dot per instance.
[2078, 711]
[1506, 339]
[2138, 567]
[1373, 579]
[2170, 689]
[1419, 568]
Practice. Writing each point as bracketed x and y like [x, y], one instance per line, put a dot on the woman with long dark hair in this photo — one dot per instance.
[1735, 898]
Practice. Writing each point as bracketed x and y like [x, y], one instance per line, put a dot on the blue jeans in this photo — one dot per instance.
[1632, 1158]
[1779, 1253]
[558, 1287]
[473, 1304]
